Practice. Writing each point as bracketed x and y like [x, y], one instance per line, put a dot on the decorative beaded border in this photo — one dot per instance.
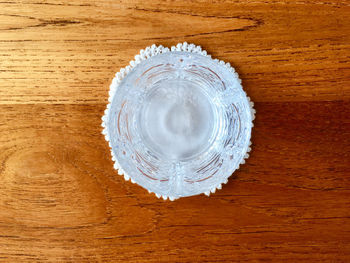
[147, 53]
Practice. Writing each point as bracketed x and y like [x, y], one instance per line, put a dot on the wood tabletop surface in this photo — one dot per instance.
[62, 201]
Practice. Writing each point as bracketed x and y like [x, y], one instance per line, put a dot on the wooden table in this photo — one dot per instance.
[61, 200]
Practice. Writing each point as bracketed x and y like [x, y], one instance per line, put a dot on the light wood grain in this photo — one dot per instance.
[61, 200]
[67, 52]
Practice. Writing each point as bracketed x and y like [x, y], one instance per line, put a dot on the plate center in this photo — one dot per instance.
[177, 119]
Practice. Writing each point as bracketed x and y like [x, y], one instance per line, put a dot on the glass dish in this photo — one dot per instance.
[178, 122]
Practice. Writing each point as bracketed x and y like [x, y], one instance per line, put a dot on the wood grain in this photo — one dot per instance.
[61, 200]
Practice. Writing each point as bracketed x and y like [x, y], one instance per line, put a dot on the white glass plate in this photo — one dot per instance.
[178, 122]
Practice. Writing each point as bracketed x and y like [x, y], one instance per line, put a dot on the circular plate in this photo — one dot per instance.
[178, 122]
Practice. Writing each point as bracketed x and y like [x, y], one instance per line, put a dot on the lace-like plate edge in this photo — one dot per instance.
[145, 54]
